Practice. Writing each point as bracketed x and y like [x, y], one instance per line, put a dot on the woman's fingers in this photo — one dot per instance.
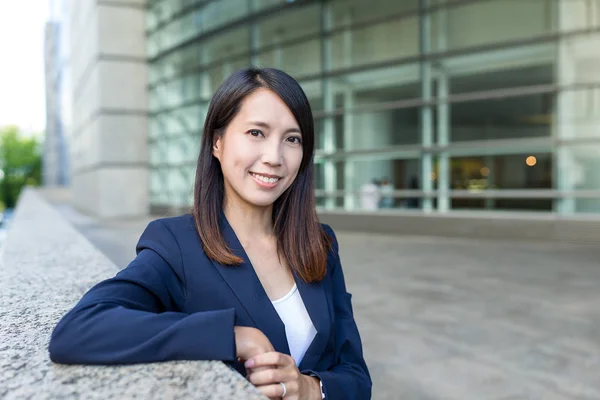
[271, 375]
[276, 390]
[271, 359]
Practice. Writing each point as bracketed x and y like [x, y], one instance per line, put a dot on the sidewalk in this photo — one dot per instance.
[456, 318]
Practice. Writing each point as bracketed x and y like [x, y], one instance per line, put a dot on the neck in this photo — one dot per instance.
[249, 221]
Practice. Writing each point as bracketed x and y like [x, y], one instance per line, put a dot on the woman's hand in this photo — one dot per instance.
[267, 371]
[250, 342]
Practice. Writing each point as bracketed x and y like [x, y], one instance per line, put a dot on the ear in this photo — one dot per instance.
[217, 147]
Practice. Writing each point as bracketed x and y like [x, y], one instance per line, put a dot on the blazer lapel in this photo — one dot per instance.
[315, 300]
[246, 286]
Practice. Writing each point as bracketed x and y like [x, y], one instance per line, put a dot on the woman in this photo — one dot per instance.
[250, 277]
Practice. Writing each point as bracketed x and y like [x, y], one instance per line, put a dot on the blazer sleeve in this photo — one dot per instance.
[349, 379]
[135, 317]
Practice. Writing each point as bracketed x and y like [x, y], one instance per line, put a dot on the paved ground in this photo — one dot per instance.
[458, 319]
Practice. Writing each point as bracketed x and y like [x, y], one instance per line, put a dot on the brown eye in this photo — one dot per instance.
[295, 139]
[255, 132]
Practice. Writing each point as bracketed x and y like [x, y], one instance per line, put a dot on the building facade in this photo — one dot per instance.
[107, 69]
[480, 104]
[459, 105]
[56, 169]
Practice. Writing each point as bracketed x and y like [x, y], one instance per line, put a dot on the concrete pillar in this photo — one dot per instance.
[347, 41]
[110, 123]
[350, 179]
[328, 104]
[443, 116]
[578, 111]
[426, 111]
[349, 167]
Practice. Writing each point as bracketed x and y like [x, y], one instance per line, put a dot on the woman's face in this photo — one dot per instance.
[260, 151]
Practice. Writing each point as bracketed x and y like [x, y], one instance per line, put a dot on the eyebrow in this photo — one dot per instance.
[267, 126]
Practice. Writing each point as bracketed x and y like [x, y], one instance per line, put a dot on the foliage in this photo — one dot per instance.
[20, 163]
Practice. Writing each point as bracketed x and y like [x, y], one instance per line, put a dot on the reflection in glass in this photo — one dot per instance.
[487, 22]
[298, 60]
[297, 23]
[369, 45]
[515, 171]
[347, 12]
[507, 118]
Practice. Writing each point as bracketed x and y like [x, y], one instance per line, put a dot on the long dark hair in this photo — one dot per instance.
[300, 238]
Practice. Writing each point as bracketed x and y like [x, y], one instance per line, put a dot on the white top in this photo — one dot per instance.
[299, 328]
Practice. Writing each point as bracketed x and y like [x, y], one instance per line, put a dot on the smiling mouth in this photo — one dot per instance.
[266, 178]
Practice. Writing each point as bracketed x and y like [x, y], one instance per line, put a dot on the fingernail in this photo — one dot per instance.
[249, 364]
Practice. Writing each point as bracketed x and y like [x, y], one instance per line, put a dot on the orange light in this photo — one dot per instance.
[484, 171]
[531, 161]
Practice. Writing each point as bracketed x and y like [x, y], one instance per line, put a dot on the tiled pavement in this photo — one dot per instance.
[457, 318]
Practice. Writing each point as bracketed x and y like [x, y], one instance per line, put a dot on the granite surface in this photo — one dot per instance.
[45, 267]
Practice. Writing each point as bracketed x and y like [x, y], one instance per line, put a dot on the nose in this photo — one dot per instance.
[272, 153]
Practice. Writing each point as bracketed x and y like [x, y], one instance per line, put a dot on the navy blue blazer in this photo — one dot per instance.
[173, 303]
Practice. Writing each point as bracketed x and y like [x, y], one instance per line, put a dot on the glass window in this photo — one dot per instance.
[370, 183]
[319, 176]
[298, 60]
[262, 4]
[578, 113]
[314, 93]
[505, 118]
[375, 130]
[181, 120]
[319, 134]
[578, 14]
[178, 186]
[233, 43]
[217, 13]
[214, 77]
[155, 128]
[346, 12]
[521, 204]
[183, 149]
[289, 24]
[486, 22]
[480, 77]
[580, 166]
[372, 44]
[587, 205]
[514, 171]
[166, 95]
[158, 186]
[376, 86]
[158, 152]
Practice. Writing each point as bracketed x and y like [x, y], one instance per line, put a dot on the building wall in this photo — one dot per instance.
[457, 95]
[577, 124]
[55, 157]
[110, 108]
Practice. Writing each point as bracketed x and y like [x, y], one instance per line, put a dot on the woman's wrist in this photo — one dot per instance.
[314, 385]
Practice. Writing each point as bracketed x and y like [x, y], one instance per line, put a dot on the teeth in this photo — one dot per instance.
[265, 179]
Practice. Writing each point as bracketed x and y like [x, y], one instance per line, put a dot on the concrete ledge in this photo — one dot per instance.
[45, 267]
[472, 224]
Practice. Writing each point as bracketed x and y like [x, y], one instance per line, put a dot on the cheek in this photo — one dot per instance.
[235, 159]
[295, 161]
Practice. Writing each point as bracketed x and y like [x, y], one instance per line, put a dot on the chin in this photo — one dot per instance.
[261, 201]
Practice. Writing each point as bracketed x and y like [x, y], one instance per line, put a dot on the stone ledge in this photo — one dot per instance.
[45, 267]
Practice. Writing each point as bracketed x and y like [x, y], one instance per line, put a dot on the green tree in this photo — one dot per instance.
[20, 162]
